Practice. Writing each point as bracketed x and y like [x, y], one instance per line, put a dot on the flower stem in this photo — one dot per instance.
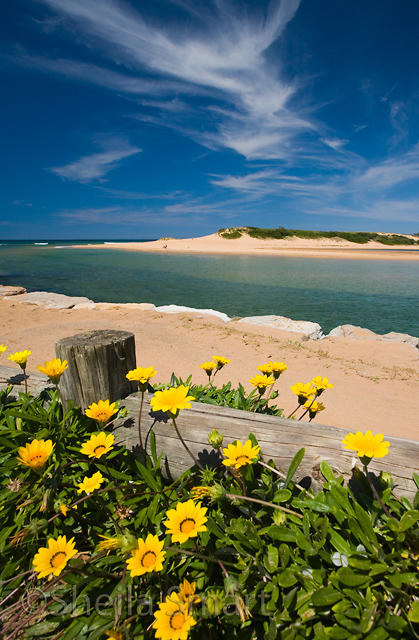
[376, 494]
[234, 496]
[292, 412]
[198, 464]
[139, 420]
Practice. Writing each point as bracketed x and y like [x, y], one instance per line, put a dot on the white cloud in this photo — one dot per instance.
[224, 55]
[96, 165]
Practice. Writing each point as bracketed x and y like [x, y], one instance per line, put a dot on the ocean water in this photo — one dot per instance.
[380, 295]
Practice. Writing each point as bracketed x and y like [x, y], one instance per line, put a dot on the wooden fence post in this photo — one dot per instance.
[97, 364]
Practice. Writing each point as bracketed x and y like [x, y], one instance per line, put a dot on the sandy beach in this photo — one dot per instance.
[293, 246]
[376, 382]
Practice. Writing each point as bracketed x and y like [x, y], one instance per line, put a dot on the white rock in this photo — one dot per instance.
[174, 308]
[309, 329]
[401, 337]
[351, 331]
[11, 291]
[50, 300]
[84, 305]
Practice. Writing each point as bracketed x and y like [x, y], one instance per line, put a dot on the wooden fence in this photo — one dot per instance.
[279, 438]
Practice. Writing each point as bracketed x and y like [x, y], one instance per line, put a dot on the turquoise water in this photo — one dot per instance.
[380, 295]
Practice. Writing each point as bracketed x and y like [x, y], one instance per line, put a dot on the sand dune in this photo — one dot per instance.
[293, 246]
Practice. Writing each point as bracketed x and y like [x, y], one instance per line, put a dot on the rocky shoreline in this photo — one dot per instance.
[307, 330]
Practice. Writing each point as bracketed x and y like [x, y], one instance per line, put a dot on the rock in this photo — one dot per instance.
[50, 300]
[401, 337]
[310, 330]
[11, 291]
[174, 308]
[84, 305]
[351, 331]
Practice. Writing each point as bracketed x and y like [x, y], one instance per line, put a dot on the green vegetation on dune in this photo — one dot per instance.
[358, 237]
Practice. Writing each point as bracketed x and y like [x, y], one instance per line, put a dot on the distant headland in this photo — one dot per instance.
[285, 242]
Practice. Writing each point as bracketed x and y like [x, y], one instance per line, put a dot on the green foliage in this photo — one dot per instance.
[228, 396]
[358, 237]
[332, 566]
[230, 234]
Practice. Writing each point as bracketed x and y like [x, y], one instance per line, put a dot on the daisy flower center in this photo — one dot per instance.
[57, 559]
[177, 620]
[187, 525]
[36, 458]
[100, 447]
[101, 416]
[242, 457]
[148, 559]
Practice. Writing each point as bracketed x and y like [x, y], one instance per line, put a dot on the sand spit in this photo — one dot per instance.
[291, 247]
[376, 377]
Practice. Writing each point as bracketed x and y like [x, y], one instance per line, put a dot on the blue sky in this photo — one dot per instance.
[148, 118]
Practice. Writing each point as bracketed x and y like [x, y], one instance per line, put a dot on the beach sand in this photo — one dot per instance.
[376, 382]
[293, 246]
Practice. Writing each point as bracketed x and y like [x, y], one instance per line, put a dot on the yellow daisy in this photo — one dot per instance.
[220, 361]
[314, 407]
[51, 560]
[186, 521]
[108, 543]
[90, 484]
[148, 556]
[171, 400]
[54, 369]
[36, 453]
[141, 374]
[208, 367]
[2, 348]
[173, 620]
[277, 368]
[98, 445]
[366, 445]
[237, 455]
[261, 382]
[115, 635]
[101, 411]
[321, 384]
[198, 493]
[303, 391]
[186, 593]
[20, 357]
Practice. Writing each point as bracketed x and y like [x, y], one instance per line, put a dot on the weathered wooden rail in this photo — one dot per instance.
[279, 438]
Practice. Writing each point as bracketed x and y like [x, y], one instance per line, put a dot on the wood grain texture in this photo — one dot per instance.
[98, 362]
[280, 439]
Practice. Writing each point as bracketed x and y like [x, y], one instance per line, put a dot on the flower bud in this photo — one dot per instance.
[215, 439]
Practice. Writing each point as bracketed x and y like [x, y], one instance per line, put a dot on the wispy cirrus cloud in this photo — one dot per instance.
[224, 54]
[96, 165]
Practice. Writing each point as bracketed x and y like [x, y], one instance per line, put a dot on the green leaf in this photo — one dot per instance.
[314, 505]
[148, 476]
[295, 463]
[399, 579]
[41, 629]
[287, 578]
[408, 520]
[282, 495]
[326, 597]
[270, 559]
[327, 471]
[349, 578]
[413, 613]
[281, 533]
